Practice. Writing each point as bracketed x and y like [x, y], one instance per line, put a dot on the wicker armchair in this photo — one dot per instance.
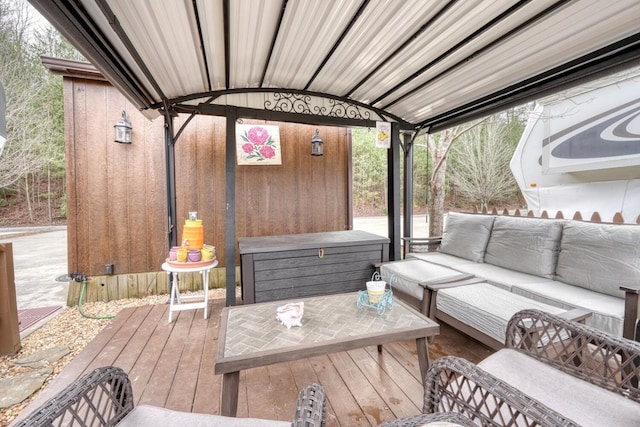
[605, 360]
[104, 398]
[566, 348]
[454, 384]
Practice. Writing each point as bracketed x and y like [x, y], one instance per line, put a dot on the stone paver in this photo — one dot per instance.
[44, 357]
[16, 389]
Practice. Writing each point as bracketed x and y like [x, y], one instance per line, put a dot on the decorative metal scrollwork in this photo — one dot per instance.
[302, 104]
[342, 110]
[289, 103]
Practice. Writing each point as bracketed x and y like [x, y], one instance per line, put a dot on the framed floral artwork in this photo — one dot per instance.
[258, 145]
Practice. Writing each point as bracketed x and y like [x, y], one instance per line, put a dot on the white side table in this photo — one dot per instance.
[176, 301]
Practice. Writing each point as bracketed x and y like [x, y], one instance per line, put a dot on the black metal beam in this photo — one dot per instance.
[335, 46]
[230, 207]
[383, 115]
[279, 116]
[226, 13]
[283, 8]
[196, 14]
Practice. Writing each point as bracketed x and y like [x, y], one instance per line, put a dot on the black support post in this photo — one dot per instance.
[170, 171]
[393, 199]
[230, 208]
[408, 185]
[170, 176]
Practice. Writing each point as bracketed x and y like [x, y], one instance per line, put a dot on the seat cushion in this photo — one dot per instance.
[584, 403]
[600, 257]
[607, 311]
[486, 307]
[411, 275]
[153, 416]
[466, 235]
[528, 245]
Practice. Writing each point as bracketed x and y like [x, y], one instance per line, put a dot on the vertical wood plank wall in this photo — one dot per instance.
[116, 193]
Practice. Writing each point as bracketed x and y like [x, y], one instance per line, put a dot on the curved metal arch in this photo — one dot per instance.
[351, 103]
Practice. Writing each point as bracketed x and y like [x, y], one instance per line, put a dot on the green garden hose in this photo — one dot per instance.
[83, 279]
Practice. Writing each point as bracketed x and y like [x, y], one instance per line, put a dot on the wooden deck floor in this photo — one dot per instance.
[171, 365]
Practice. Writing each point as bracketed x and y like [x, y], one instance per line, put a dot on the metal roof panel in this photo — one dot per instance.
[309, 30]
[472, 53]
[167, 42]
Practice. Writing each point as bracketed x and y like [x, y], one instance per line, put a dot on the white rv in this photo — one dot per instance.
[580, 151]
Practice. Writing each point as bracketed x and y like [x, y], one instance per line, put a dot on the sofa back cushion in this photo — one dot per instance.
[528, 245]
[466, 235]
[600, 257]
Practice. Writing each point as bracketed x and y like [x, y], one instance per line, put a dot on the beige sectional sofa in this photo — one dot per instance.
[488, 267]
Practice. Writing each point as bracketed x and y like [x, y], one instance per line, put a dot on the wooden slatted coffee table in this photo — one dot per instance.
[250, 335]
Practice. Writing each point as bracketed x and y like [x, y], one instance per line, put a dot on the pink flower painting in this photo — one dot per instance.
[258, 144]
[257, 135]
[267, 152]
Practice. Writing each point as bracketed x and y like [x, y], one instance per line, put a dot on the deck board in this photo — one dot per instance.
[145, 364]
[139, 339]
[400, 373]
[394, 396]
[163, 376]
[171, 365]
[369, 400]
[185, 381]
[209, 384]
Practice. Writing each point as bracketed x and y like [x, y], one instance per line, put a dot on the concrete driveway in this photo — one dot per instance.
[39, 256]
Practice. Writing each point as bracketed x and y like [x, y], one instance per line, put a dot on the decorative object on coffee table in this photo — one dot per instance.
[376, 296]
[290, 314]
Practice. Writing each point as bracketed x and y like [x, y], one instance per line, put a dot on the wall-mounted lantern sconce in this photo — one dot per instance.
[123, 130]
[316, 144]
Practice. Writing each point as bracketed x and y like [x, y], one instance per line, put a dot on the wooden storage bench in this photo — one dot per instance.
[299, 265]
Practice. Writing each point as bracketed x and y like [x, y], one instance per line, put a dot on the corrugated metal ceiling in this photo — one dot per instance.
[424, 62]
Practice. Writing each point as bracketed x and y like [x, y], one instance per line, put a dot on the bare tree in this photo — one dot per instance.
[20, 156]
[34, 150]
[369, 171]
[439, 146]
[481, 174]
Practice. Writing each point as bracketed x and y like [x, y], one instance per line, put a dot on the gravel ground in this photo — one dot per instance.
[72, 329]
